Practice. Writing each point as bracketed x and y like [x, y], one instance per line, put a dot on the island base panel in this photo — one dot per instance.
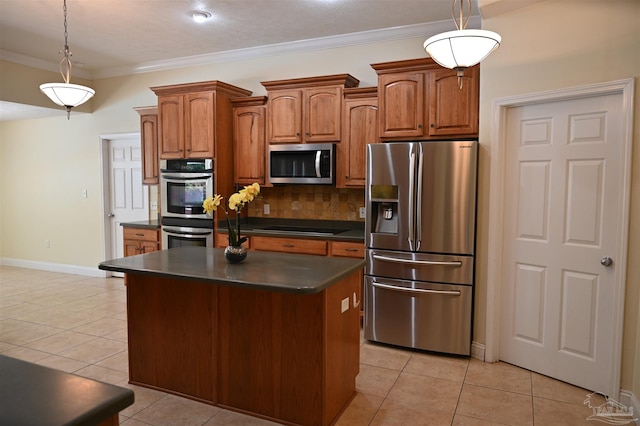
[283, 356]
[287, 356]
[171, 330]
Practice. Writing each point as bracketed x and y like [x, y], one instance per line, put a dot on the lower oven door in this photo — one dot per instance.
[422, 315]
[180, 236]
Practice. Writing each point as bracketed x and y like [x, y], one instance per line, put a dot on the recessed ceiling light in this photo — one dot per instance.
[200, 16]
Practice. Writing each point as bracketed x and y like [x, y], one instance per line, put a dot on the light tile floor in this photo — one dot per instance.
[78, 324]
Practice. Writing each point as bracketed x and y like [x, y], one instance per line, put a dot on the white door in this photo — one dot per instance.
[563, 180]
[129, 199]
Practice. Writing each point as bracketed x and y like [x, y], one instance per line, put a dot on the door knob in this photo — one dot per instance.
[606, 261]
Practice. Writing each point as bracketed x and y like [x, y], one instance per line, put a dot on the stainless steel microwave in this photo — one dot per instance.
[305, 163]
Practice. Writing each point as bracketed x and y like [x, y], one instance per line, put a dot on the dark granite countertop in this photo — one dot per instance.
[263, 270]
[32, 394]
[352, 230]
[147, 224]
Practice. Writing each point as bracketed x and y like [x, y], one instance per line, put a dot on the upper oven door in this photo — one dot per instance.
[182, 194]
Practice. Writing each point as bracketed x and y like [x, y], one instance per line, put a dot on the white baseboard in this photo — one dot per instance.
[54, 267]
[629, 399]
[477, 350]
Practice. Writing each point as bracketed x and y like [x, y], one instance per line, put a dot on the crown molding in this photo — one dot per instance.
[425, 30]
[29, 61]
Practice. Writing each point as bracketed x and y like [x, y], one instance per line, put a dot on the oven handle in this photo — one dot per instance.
[417, 290]
[195, 233]
[418, 262]
[174, 178]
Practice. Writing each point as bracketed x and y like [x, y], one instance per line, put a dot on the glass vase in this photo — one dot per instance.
[235, 254]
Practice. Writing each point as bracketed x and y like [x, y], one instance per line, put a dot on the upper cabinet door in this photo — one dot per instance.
[284, 123]
[149, 139]
[322, 112]
[360, 128]
[453, 110]
[199, 123]
[402, 103]
[171, 126]
[249, 145]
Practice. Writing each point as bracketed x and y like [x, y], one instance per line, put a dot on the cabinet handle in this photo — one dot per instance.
[307, 133]
[433, 125]
[140, 235]
[419, 126]
[288, 245]
[350, 249]
[297, 133]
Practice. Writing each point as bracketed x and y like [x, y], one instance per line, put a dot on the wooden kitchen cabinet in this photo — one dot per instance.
[418, 99]
[453, 111]
[140, 240]
[149, 144]
[194, 119]
[306, 109]
[249, 115]
[359, 128]
[289, 245]
[355, 250]
[222, 240]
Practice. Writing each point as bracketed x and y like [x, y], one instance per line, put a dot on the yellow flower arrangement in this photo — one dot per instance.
[236, 202]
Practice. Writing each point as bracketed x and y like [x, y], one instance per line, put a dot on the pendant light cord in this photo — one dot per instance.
[65, 63]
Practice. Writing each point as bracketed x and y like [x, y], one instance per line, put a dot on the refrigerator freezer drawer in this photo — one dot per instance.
[427, 316]
[439, 268]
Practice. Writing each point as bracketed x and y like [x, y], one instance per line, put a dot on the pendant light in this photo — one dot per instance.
[462, 48]
[66, 94]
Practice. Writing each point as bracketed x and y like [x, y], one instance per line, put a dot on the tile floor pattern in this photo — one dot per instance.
[78, 324]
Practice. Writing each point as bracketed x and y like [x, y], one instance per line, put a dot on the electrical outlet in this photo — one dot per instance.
[266, 209]
[47, 244]
[84, 193]
[345, 305]
[154, 205]
[363, 212]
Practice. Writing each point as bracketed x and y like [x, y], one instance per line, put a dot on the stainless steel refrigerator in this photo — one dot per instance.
[420, 236]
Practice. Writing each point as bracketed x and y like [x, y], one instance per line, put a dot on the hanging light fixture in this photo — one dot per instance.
[66, 94]
[462, 48]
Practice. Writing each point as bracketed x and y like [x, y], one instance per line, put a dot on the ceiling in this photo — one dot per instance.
[120, 37]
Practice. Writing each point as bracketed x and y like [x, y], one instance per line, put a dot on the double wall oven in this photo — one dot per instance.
[185, 184]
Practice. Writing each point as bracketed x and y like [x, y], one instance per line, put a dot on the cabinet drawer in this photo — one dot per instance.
[222, 240]
[347, 249]
[289, 245]
[141, 234]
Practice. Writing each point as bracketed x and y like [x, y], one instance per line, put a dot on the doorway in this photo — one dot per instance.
[125, 198]
[559, 206]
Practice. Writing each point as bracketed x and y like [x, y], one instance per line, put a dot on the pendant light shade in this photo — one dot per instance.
[461, 48]
[66, 94]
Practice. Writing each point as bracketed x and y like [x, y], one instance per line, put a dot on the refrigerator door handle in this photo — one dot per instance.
[412, 179]
[417, 290]
[418, 234]
[418, 262]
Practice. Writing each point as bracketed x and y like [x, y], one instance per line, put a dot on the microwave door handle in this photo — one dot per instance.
[318, 156]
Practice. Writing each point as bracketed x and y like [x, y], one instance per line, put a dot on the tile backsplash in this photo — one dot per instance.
[308, 202]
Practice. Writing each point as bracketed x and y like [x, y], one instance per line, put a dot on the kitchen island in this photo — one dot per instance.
[276, 336]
